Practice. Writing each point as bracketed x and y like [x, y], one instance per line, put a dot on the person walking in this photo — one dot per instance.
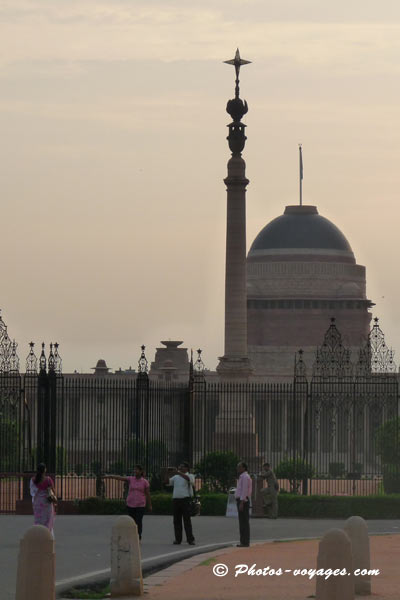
[43, 498]
[183, 483]
[270, 493]
[242, 496]
[138, 496]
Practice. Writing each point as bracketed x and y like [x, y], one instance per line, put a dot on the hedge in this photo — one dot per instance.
[290, 505]
[330, 507]
[211, 505]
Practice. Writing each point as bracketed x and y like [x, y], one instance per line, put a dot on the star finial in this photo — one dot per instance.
[237, 62]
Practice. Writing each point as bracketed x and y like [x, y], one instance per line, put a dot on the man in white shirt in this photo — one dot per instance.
[183, 483]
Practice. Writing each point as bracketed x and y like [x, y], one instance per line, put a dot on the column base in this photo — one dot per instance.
[235, 367]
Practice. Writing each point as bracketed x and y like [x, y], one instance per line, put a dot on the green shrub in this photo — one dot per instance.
[156, 483]
[391, 479]
[118, 468]
[211, 505]
[290, 505]
[336, 469]
[218, 470]
[329, 507]
[96, 468]
[10, 437]
[61, 461]
[98, 506]
[162, 504]
[387, 442]
[295, 470]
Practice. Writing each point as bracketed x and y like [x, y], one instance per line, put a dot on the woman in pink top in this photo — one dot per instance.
[138, 496]
[43, 508]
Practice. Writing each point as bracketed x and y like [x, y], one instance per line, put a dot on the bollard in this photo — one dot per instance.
[126, 568]
[335, 553]
[357, 530]
[36, 565]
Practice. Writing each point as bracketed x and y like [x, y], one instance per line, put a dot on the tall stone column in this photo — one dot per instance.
[235, 363]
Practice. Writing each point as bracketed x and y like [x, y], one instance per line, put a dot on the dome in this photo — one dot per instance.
[300, 228]
[101, 366]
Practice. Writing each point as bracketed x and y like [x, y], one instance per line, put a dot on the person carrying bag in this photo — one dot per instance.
[182, 482]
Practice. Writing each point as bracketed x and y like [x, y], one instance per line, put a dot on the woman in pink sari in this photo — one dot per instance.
[43, 509]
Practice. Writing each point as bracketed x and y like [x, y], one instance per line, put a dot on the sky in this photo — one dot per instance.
[113, 153]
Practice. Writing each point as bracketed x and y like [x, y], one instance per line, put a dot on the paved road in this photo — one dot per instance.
[82, 542]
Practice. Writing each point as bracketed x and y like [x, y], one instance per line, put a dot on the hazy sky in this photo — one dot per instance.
[113, 153]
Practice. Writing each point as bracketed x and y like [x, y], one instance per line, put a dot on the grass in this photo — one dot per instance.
[208, 562]
[94, 592]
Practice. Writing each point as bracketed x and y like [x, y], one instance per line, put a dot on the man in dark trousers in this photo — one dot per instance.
[243, 495]
[183, 483]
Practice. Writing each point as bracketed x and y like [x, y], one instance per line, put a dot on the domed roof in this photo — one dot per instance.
[101, 366]
[300, 227]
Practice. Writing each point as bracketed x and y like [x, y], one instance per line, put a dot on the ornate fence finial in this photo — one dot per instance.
[191, 367]
[14, 360]
[332, 359]
[42, 360]
[31, 361]
[143, 364]
[51, 362]
[199, 365]
[299, 365]
[381, 356]
[3, 329]
[57, 360]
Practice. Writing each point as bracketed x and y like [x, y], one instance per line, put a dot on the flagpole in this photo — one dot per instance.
[301, 175]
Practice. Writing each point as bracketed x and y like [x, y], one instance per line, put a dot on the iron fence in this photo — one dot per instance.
[332, 431]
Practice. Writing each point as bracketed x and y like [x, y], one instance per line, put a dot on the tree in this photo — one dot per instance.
[387, 446]
[295, 470]
[387, 442]
[218, 470]
[61, 461]
[10, 439]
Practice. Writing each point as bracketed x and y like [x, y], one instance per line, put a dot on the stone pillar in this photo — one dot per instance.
[335, 553]
[235, 362]
[126, 569]
[357, 530]
[36, 565]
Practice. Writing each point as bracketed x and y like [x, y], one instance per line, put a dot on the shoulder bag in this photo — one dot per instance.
[51, 497]
[194, 502]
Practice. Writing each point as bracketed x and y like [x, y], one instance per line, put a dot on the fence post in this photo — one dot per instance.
[36, 565]
[306, 441]
[43, 411]
[52, 399]
[142, 408]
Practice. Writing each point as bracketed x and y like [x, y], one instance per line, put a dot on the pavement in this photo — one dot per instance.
[195, 578]
[83, 542]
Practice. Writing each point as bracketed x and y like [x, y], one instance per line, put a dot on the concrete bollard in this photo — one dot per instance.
[357, 530]
[36, 565]
[126, 568]
[335, 553]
